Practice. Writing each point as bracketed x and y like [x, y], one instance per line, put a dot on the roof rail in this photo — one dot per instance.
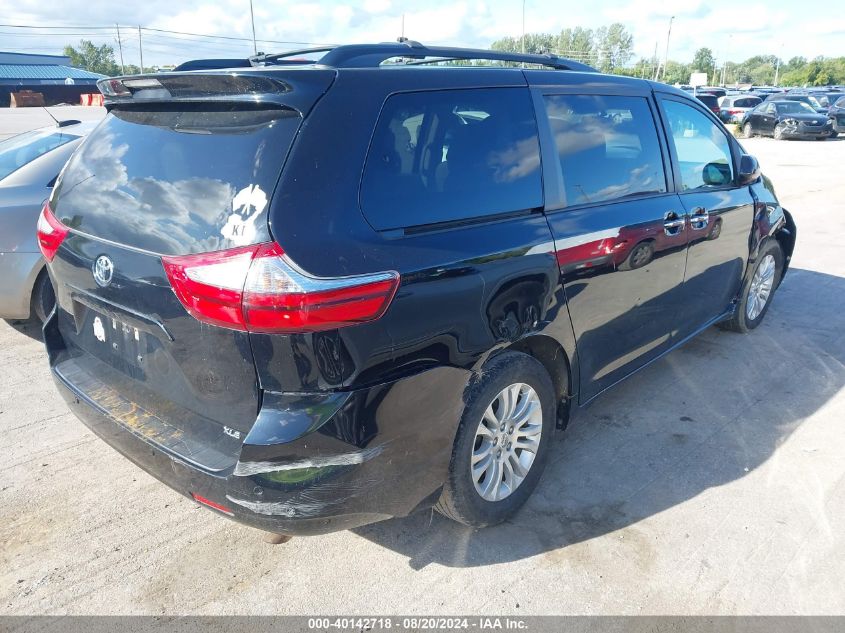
[372, 55]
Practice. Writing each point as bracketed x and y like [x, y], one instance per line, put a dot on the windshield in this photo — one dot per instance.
[25, 148]
[794, 107]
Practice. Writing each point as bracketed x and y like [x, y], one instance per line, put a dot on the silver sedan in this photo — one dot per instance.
[29, 165]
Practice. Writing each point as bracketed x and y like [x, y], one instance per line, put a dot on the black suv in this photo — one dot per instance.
[346, 284]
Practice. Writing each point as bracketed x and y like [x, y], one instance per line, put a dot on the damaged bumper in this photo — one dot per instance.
[311, 464]
[802, 130]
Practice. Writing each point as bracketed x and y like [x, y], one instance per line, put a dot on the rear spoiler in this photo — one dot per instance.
[296, 89]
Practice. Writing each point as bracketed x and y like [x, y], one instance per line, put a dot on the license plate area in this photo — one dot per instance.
[121, 345]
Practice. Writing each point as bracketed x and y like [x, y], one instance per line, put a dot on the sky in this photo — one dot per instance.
[779, 27]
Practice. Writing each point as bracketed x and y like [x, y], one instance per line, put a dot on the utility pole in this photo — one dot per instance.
[523, 27]
[252, 19]
[666, 54]
[725, 61]
[120, 48]
[777, 65]
[141, 49]
[654, 62]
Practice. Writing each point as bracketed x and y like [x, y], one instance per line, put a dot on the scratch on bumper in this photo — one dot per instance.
[311, 502]
[246, 469]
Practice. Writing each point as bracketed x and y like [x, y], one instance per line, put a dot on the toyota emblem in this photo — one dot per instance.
[103, 270]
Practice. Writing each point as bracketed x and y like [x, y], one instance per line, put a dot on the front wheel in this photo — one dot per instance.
[502, 442]
[758, 290]
[778, 132]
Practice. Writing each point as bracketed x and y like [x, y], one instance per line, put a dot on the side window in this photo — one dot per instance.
[442, 156]
[703, 150]
[607, 145]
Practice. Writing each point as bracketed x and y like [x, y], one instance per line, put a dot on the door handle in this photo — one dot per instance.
[672, 224]
[699, 219]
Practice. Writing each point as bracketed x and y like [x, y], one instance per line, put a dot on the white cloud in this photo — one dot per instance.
[777, 27]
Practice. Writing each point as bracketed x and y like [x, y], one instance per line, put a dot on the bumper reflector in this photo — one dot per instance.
[211, 504]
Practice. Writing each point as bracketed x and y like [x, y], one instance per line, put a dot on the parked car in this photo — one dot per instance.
[711, 101]
[382, 313]
[718, 92]
[786, 119]
[29, 165]
[810, 100]
[836, 115]
[827, 99]
[734, 107]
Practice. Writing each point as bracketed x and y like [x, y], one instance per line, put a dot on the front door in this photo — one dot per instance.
[620, 236]
[766, 119]
[720, 212]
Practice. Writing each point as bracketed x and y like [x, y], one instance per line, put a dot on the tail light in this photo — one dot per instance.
[51, 233]
[260, 289]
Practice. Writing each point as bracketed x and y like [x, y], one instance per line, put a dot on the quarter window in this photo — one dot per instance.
[444, 156]
[607, 146]
[703, 151]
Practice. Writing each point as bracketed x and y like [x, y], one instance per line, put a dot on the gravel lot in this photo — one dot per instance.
[712, 482]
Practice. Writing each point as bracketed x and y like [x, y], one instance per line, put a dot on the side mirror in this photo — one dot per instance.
[749, 169]
[716, 174]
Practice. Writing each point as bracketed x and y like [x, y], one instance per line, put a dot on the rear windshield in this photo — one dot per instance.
[178, 182]
[746, 102]
[708, 100]
[25, 148]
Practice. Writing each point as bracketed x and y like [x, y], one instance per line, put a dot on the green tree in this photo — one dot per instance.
[97, 59]
[576, 44]
[676, 73]
[614, 47]
[537, 43]
[704, 62]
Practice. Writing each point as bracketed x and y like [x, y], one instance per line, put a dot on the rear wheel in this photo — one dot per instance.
[747, 131]
[640, 255]
[758, 290]
[502, 442]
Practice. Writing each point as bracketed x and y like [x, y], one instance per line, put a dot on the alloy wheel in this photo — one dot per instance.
[506, 442]
[761, 287]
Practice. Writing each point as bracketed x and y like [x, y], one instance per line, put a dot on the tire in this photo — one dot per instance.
[43, 297]
[778, 132]
[461, 499]
[747, 131]
[821, 138]
[639, 256]
[745, 318]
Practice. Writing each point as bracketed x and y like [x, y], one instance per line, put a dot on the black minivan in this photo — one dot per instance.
[345, 284]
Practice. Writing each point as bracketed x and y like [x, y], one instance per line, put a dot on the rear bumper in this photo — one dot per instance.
[310, 464]
[18, 272]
